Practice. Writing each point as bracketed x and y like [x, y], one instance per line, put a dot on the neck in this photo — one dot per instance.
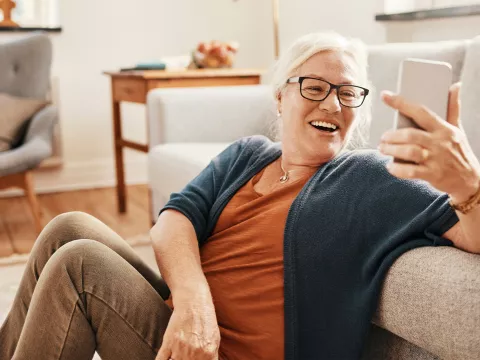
[295, 172]
[294, 167]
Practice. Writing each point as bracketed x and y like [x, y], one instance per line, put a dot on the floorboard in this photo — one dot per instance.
[17, 233]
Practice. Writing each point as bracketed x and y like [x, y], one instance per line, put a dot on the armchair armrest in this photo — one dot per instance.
[42, 125]
[431, 297]
[36, 147]
[210, 114]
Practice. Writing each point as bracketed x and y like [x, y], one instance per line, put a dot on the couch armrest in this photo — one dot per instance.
[210, 114]
[431, 297]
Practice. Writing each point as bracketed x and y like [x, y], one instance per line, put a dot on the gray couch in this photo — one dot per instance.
[430, 303]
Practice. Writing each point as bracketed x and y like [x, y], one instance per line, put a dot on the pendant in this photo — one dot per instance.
[284, 178]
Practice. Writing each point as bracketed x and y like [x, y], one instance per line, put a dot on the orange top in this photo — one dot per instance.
[243, 263]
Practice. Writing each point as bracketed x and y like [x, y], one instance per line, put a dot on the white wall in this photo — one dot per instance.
[121, 33]
[349, 17]
[433, 29]
[109, 34]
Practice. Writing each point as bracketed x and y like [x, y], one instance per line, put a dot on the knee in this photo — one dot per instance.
[72, 257]
[64, 228]
[79, 248]
[69, 220]
[73, 250]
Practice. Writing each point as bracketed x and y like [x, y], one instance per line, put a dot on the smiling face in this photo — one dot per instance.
[302, 141]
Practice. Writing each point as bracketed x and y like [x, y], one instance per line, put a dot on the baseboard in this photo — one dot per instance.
[85, 175]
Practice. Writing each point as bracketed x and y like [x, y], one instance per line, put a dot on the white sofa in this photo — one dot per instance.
[430, 312]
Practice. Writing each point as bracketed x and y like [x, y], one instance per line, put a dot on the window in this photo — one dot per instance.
[37, 13]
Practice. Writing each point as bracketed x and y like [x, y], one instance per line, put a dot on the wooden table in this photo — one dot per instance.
[133, 86]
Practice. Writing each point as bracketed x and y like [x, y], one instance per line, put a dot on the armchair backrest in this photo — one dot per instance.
[25, 66]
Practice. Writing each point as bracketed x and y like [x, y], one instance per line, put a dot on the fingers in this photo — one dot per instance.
[408, 136]
[409, 171]
[420, 114]
[412, 153]
[164, 353]
[453, 116]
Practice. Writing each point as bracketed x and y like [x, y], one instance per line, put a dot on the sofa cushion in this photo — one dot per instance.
[14, 113]
[384, 63]
[172, 166]
[469, 95]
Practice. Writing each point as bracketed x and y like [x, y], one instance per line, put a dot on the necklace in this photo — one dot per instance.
[284, 178]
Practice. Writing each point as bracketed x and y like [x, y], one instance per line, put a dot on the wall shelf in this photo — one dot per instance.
[455, 11]
[29, 29]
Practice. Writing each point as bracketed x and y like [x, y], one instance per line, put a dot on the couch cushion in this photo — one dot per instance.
[469, 95]
[172, 166]
[384, 62]
[381, 344]
[14, 112]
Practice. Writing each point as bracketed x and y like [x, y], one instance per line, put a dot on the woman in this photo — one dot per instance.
[275, 250]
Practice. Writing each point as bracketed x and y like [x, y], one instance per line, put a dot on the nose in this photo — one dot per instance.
[331, 103]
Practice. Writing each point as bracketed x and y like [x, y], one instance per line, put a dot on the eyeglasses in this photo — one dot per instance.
[314, 89]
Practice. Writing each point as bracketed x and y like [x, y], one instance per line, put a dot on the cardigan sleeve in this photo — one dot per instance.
[405, 208]
[196, 199]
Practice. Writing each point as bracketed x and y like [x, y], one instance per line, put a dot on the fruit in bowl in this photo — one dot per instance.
[214, 54]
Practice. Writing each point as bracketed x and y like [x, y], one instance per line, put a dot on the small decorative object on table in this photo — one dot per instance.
[7, 6]
[214, 55]
[153, 65]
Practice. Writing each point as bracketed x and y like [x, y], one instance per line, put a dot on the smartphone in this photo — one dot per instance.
[424, 82]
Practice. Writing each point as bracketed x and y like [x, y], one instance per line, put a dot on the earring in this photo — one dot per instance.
[279, 113]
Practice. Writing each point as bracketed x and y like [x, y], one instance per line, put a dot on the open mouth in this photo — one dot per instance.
[324, 126]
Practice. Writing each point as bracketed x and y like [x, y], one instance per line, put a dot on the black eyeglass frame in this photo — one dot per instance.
[300, 79]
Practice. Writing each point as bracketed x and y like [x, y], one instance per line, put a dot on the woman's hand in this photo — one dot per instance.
[192, 332]
[441, 152]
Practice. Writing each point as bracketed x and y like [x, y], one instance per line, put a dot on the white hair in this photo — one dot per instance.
[306, 47]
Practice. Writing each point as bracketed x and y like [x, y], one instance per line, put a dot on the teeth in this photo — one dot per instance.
[324, 124]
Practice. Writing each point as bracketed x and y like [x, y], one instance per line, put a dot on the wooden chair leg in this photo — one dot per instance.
[32, 200]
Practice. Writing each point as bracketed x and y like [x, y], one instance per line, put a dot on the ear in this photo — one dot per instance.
[279, 102]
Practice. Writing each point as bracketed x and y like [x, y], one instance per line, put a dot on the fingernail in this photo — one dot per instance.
[386, 94]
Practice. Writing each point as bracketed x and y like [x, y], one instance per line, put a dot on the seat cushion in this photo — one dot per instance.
[14, 113]
[172, 166]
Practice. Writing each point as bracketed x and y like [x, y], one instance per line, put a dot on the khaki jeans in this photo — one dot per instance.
[85, 289]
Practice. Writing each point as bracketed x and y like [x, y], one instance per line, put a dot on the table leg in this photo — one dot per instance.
[150, 207]
[117, 129]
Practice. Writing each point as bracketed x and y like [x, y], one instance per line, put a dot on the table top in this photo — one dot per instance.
[187, 73]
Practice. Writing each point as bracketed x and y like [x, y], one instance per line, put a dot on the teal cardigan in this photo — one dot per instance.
[344, 230]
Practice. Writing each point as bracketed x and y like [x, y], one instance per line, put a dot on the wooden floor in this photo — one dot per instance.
[17, 233]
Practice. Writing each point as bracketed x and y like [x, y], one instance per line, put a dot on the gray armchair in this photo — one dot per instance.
[25, 72]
